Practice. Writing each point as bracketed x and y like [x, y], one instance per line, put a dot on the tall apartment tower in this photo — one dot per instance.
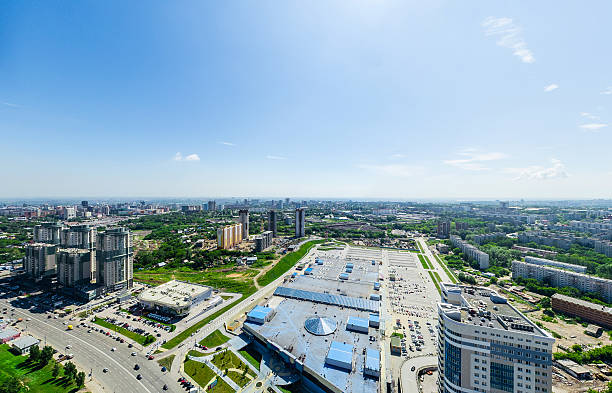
[243, 218]
[74, 266]
[443, 229]
[212, 206]
[40, 260]
[272, 222]
[487, 345]
[229, 236]
[300, 222]
[48, 232]
[115, 259]
[82, 237]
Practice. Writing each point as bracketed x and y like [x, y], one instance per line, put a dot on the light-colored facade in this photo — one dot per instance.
[174, 297]
[564, 278]
[74, 266]
[592, 227]
[603, 247]
[487, 345]
[561, 265]
[48, 232]
[229, 236]
[40, 260]
[300, 222]
[487, 237]
[263, 241]
[115, 259]
[243, 218]
[472, 252]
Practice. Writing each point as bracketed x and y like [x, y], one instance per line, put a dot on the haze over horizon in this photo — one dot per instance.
[367, 99]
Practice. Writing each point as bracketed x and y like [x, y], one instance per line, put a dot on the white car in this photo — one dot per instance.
[133, 353]
[113, 349]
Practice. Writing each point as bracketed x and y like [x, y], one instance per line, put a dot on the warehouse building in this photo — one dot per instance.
[175, 297]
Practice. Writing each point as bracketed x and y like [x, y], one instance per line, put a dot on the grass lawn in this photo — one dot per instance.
[434, 281]
[450, 274]
[193, 352]
[225, 297]
[251, 356]
[37, 379]
[419, 245]
[423, 262]
[139, 338]
[228, 359]
[166, 362]
[214, 339]
[286, 263]
[202, 374]
[239, 378]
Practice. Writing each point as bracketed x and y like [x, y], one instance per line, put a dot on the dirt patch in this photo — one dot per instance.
[234, 275]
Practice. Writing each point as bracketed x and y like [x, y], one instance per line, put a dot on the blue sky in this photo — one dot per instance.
[371, 99]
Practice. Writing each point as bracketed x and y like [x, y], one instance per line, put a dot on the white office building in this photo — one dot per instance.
[487, 345]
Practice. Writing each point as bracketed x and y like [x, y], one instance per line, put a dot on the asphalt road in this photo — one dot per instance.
[92, 353]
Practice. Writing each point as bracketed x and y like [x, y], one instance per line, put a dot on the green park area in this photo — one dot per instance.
[435, 281]
[236, 370]
[203, 376]
[20, 374]
[139, 338]
[166, 362]
[214, 339]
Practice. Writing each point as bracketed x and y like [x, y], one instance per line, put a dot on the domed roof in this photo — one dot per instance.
[320, 326]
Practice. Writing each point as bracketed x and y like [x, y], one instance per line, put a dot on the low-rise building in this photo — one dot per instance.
[174, 297]
[8, 334]
[574, 369]
[588, 311]
[22, 345]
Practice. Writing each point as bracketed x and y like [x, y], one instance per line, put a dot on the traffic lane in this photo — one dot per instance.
[87, 356]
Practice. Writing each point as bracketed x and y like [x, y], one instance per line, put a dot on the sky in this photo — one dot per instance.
[341, 99]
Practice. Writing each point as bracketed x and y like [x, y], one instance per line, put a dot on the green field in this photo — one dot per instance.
[228, 360]
[139, 338]
[251, 356]
[37, 379]
[419, 245]
[286, 263]
[179, 338]
[202, 374]
[214, 339]
[423, 262]
[434, 281]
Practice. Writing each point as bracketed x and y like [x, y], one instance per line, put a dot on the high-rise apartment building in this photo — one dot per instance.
[443, 229]
[74, 266]
[68, 212]
[243, 218]
[48, 232]
[115, 259]
[40, 260]
[229, 236]
[212, 206]
[263, 241]
[471, 252]
[487, 345]
[300, 222]
[272, 222]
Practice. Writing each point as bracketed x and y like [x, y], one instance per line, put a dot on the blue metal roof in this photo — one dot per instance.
[360, 322]
[340, 354]
[259, 312]
[372, 361]
[324, 298]
[344, 276]
[350, 265]
[374, 318]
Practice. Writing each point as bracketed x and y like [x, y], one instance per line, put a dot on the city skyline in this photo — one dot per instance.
[370, 100]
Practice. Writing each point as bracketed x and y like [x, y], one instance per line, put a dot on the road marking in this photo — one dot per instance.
[84, 342]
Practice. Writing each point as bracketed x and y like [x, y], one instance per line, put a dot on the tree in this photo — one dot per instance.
[80, 379]
[11, 385]
[46, 355]
[34, 354]
[56, 370]
[70, 370]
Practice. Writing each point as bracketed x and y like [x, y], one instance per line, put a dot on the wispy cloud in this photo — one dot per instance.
[11, 104]
[397, 156]
[510, 36]
[551, 87]
[191, 157]
[589, 115]
[228, 143]
[607, 91]
[474, 160]
[393, 170]
[270, 157]
[537, 172]
[593, 126]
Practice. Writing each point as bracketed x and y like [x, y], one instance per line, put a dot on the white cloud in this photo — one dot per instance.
[510, 36]
[191, 157]
[397, 156]
[227, 143]
[607, 91]
[474, 160]
[537, 172]
[11, 104]
[551, 87]
[270, 157]
[393, 170]
[589, 115]
[593, 126]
